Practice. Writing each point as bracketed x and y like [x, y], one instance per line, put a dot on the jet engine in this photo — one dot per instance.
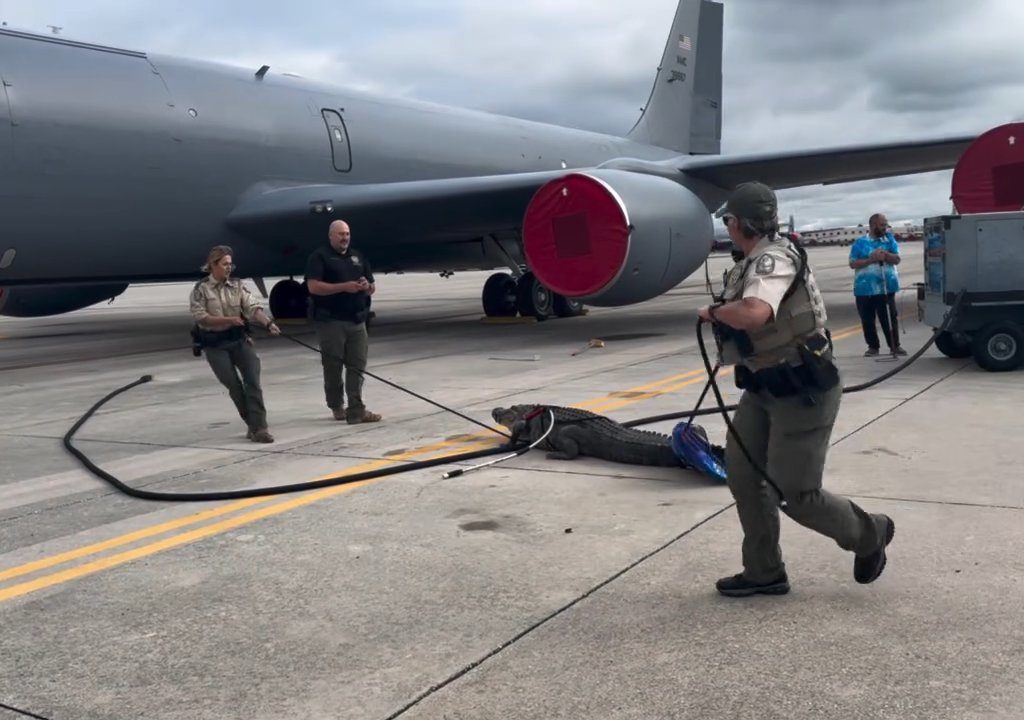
[38, 301]
[614, 237]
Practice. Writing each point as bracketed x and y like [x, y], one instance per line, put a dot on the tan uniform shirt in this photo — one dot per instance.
[767, 273]
[213, 298]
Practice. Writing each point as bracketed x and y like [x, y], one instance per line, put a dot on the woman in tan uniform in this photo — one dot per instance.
[219, 303]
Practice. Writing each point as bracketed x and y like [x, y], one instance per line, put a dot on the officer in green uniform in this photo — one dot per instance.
[770, 324]
[221, 305]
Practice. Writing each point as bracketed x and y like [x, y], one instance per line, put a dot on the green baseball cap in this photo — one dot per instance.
[751, 201]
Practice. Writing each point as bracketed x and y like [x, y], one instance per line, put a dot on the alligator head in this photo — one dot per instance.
[510, 415]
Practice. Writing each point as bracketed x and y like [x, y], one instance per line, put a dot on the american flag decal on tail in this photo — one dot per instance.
[684, 43]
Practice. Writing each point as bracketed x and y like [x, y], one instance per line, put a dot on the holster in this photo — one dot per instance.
[822, 372]
[816, 372]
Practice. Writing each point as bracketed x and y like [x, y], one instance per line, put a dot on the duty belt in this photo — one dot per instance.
[203, 338]
[815, 372]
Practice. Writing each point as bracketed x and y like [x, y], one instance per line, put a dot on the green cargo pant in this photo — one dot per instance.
[245, 392]
[343, 344]
[790, 441]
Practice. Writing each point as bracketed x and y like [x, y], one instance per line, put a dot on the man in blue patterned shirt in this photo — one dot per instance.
[874, 258]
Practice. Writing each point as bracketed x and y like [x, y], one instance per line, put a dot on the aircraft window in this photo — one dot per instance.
[338, 135]
[192, 112]
[7, 258]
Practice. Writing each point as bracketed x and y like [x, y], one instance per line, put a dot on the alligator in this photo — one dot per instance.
[580, 432]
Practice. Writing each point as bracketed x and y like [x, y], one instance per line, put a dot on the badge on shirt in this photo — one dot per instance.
[355, 260]
[765, 265]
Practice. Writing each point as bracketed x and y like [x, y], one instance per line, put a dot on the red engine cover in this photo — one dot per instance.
[575, 235]
[989, 177]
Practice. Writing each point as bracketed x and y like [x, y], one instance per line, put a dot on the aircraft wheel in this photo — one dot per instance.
[499, 295]
[953, 346]
[567, 307]
[532, 298]
[999, 347]
[288, 300]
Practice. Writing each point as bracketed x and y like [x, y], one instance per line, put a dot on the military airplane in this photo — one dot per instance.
[120, 167]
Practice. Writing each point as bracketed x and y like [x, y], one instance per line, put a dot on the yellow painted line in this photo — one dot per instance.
[647, 391]
[125, 539]
[110, 561]
[181, 522]
[637, 393]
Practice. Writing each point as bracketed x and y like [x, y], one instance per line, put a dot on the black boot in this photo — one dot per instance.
[739, 586]
[867, 569]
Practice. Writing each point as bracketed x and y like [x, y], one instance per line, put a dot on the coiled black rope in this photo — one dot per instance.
[253, 492]
[293, 487]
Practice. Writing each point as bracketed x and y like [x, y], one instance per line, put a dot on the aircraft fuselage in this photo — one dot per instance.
[122, 166]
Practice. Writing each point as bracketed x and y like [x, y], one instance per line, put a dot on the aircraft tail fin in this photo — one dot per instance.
[684, 111]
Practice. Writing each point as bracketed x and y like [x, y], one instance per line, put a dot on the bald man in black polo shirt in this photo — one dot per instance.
[340, 284]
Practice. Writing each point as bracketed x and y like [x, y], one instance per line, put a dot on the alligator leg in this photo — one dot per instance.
[565, 447]
[517, 429]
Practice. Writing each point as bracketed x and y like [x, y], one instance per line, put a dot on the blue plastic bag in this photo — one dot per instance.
[691, 446]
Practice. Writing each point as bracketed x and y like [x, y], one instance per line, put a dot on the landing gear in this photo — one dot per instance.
[499, 295]
[532, 298]
[567, 307]
[288, 300]
[505, 296]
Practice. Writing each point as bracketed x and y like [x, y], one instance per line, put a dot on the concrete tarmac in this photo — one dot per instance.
[533, 589]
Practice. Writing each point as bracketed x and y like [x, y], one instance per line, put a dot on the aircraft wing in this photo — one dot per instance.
[448, 210]
[827, 166]
[466, 208]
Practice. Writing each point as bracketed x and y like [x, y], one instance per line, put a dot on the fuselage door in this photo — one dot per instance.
[341, 152]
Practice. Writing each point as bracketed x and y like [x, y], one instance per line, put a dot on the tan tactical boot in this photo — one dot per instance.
[261, 436]
[367, 417]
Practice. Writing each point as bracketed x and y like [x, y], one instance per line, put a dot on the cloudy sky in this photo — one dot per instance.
[797, 73]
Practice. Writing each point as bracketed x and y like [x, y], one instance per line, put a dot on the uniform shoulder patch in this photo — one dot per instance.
[765, 265]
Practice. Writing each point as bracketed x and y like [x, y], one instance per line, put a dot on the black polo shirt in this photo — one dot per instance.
[328, 265]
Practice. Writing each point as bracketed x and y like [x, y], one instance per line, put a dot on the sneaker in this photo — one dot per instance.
[899, 351]
[366, 417]
[261, 436]
[739, 586]
[870, 352]
[339, 413]
[867, 569]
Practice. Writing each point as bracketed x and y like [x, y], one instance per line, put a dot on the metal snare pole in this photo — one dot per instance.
[517, 453]
[891, 319]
